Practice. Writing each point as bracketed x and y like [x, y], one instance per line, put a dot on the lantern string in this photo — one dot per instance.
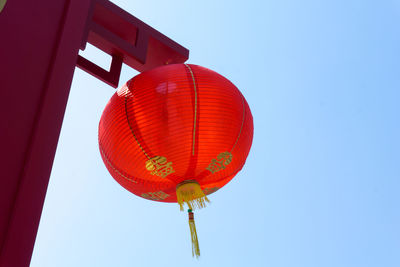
[128, 121]
[193, 235]
[195, 108]
[241, 127]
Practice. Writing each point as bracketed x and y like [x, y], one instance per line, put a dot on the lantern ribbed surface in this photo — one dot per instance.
[173, 124]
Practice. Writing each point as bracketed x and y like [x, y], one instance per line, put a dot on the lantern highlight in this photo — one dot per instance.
[176, 133]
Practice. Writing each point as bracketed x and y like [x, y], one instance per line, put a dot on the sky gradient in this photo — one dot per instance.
[321, 184]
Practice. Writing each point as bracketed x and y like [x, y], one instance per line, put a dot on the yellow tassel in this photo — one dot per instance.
[193, 234]
[189, 192]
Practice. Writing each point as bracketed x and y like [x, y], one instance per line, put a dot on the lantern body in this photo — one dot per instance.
[173, 124]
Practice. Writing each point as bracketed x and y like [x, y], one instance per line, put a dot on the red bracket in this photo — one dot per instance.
[128, 40]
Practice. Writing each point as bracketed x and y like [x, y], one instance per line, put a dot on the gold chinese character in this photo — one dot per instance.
[220, 162]
[160, 195]
[159, 166]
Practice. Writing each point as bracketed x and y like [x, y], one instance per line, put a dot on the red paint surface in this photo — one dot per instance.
[38, 53]
[185, 113]
[127, 40]
[39, 45]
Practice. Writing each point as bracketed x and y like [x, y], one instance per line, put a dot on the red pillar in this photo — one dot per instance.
[39, 43]
[38, 52]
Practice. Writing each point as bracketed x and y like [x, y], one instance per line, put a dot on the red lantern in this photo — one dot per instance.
[176, 133]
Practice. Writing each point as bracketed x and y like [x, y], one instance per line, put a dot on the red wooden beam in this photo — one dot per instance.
[127, 40]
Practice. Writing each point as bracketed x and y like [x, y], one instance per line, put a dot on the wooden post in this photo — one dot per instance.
[39, 48]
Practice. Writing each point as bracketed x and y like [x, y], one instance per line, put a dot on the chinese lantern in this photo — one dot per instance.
[176, 133]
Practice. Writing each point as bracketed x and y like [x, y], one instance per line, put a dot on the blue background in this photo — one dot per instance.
[321, 183]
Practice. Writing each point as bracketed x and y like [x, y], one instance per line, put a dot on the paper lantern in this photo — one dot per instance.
[176, 133]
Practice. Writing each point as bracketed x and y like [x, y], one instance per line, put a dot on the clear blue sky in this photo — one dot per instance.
[321, 186]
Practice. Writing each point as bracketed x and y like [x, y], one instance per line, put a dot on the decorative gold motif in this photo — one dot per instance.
[160, 195]
[220, 163]
[210, 190]
[159, 166]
